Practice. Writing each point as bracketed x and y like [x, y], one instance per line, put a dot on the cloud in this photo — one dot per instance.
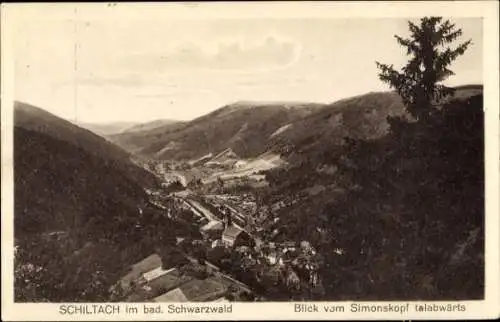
[98, 81]
[175, 67]
[269, 53]
[123, 81]
[192, 93]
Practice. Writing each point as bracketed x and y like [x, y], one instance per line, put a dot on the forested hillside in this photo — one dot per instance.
[406, 209]
[81, 211]
[245, 127]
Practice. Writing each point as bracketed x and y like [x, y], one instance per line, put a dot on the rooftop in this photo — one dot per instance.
[155, 273]
[168, 282]
[220, 299]
[212, 225]
[203, 290]
[147, 264]
[175, 295]
[231, 232]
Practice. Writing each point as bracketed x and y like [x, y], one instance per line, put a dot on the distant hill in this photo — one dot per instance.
[148, 126]
[242, 126]
[66, 176]
[135, 141]
[361, 117]
[109, 128]
[250, 128]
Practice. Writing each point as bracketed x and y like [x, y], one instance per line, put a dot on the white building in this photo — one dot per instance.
[155, 273]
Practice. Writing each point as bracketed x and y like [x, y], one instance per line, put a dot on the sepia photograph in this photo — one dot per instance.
[260, 159]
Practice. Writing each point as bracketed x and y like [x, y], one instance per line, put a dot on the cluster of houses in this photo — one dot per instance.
[245, 202]
[222, 236]
[291, 254]
[226, 234]
[286, 256]
[148, 281]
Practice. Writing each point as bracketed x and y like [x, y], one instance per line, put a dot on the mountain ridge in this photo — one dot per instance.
[245, 130]
[251, 128]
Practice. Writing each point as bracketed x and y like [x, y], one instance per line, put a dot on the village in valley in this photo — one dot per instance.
[233, 254]
[248, 160]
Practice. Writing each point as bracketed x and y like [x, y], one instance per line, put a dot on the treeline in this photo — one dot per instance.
[415, 202]
[407, 210]
[76, 267]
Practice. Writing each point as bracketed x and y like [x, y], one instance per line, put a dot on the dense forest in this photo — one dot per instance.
[407, 209]
[82, 215]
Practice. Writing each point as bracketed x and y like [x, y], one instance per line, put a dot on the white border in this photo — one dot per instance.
[488, 10]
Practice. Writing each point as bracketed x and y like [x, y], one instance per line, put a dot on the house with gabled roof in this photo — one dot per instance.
[135, 274]
[175, 295]
[155, 273]
[212, 230]
[233, 236]
[221, 300]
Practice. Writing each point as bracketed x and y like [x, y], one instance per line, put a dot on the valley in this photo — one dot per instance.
[298, 212]
[222, 218]
[298, 217]
[171, 159]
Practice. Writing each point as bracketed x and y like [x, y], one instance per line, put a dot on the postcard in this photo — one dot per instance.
[250, 160]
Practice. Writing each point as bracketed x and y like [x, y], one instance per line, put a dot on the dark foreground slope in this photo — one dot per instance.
[397, 217]
[59, 186]
[38, 120]
[245, 127]
[80, 211]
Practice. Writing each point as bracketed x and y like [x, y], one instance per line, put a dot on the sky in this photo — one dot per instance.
[102, 71]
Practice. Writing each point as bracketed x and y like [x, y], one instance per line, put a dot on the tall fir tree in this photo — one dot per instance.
[419, 81]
